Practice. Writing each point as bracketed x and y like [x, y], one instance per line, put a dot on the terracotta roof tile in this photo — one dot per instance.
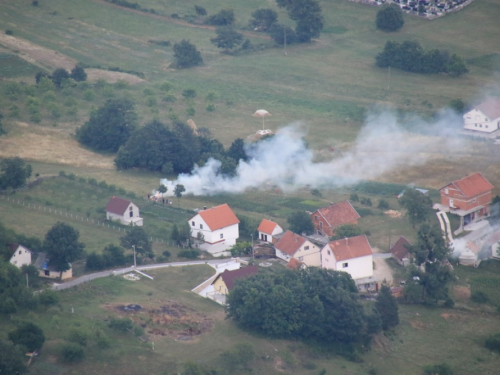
[229, 277]
[219, 217]
[267, 226]
[117, 205]
[349, 248]
[399, 249]
[473, 185]
[490, 108]
[294, 264]
[338, 213]
[289, 243]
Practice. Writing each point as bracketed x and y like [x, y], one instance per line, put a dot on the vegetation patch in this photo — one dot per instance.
[13, 66]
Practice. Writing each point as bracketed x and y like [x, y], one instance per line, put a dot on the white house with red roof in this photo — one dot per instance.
[353, 255]
[470, 198]
[485, 117]
[124, 211]
[20, 255]
[292, 245]
[328, 218]
[219, 227]
[268, 230]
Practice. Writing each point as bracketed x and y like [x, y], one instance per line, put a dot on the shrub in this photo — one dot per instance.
[354, 197]
[48, 297]
[383, 204]
[78, 336]
[493, 342]
[200, 11]
[189, 94]
[72, 353]
[189, 253]
[479, 297]
[8, 32]
[390, 18]
[224, 18]
[122, 325]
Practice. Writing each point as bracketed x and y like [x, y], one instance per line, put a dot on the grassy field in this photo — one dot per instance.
[425, 336]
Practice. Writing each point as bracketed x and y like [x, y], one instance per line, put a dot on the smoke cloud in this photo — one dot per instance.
[385, 143]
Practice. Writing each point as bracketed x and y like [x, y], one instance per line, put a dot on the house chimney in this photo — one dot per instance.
[204, 207]
[346, 241]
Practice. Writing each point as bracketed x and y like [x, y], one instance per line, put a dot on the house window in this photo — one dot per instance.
[321, 225]
[201, 226]
[316, 217]
[192, 223]
[15, 262]
[345, 265]
[131, 213]
[47, 273]
[446, 191]
[222, 235]
[306, 247]
[20, 252]
[474, 200]
[486, 126]
[329, 252]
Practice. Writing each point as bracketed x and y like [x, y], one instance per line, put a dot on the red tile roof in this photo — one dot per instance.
[400, 249]
[289, 243]
[490, 108]
[473, 185]
[267, 226]
[294, 264]
[117, 205]
[219, 217]
[349, 248]
[229, 277]
[338, 213]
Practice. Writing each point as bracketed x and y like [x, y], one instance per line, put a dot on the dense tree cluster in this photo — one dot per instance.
[300, 222]
[110, 126]
[224, 18]
[60, 75]
[227, 38]
[157, 147]
[313, 303]
[13, 173]
[307, 15]
[111, 256]
[390, 18]
[263, 19]
[411, 57]
[186, 55]
[417, 205]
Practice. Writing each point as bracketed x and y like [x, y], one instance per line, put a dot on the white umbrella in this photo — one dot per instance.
[261, 113]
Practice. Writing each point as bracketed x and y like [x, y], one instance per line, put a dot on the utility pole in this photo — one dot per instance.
[284, 37]
[253, 257]
[389, 78]
[135, 261]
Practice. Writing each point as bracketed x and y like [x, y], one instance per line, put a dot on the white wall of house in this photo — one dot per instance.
[477, 120]
[131, 215]
[358, 268]
[281, 255]
[228, 234]
[21, 257]
[309, 254]
[268, 237]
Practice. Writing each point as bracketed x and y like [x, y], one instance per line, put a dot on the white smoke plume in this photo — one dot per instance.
[286, 162]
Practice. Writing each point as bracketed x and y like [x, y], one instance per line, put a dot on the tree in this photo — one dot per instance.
[224, 18]
[279, 32]
[162, 189]
[178, 190]
[227, 38]
[200, 11]
[29, 335]
[263, 19]
[458, 106]
[137, 237]
[456, 66]
[2, 130]
[59, 75]
[307, 14]
[346, 231]
[186, 55]
[78, 74]
[390, 18]
[237, 150]
[32, 273]
[12, 359]
[62, 247]
[387, 307]
[417, 205]
[110, 126]
[300, 222]
[14, 174]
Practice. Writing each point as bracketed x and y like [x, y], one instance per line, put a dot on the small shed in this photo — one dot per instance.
[124, 211]
[400, 251]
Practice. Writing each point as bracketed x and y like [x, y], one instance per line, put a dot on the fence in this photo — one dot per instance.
[72, 216]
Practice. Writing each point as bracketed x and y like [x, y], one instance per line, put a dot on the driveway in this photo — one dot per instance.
[381, 270]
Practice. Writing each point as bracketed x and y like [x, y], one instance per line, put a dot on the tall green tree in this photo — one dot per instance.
[178, 191]
[387, 307]
[307, 15]
[14, 174]
[62, 246]
[12, 359]
[137, 237]
[78, 74]
[59, 75]
[300, 222]
[390, 18]
[417, 206]
[110, 126]
[237, 150]
[263, 19]
[227, 38]
[29, 335]
[186, 55]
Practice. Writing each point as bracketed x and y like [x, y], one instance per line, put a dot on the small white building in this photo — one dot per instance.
[485, 117]
[124, 211]
[20, 255]
[292, 245]
[268, 230]
[219, 228]
[353, 255]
